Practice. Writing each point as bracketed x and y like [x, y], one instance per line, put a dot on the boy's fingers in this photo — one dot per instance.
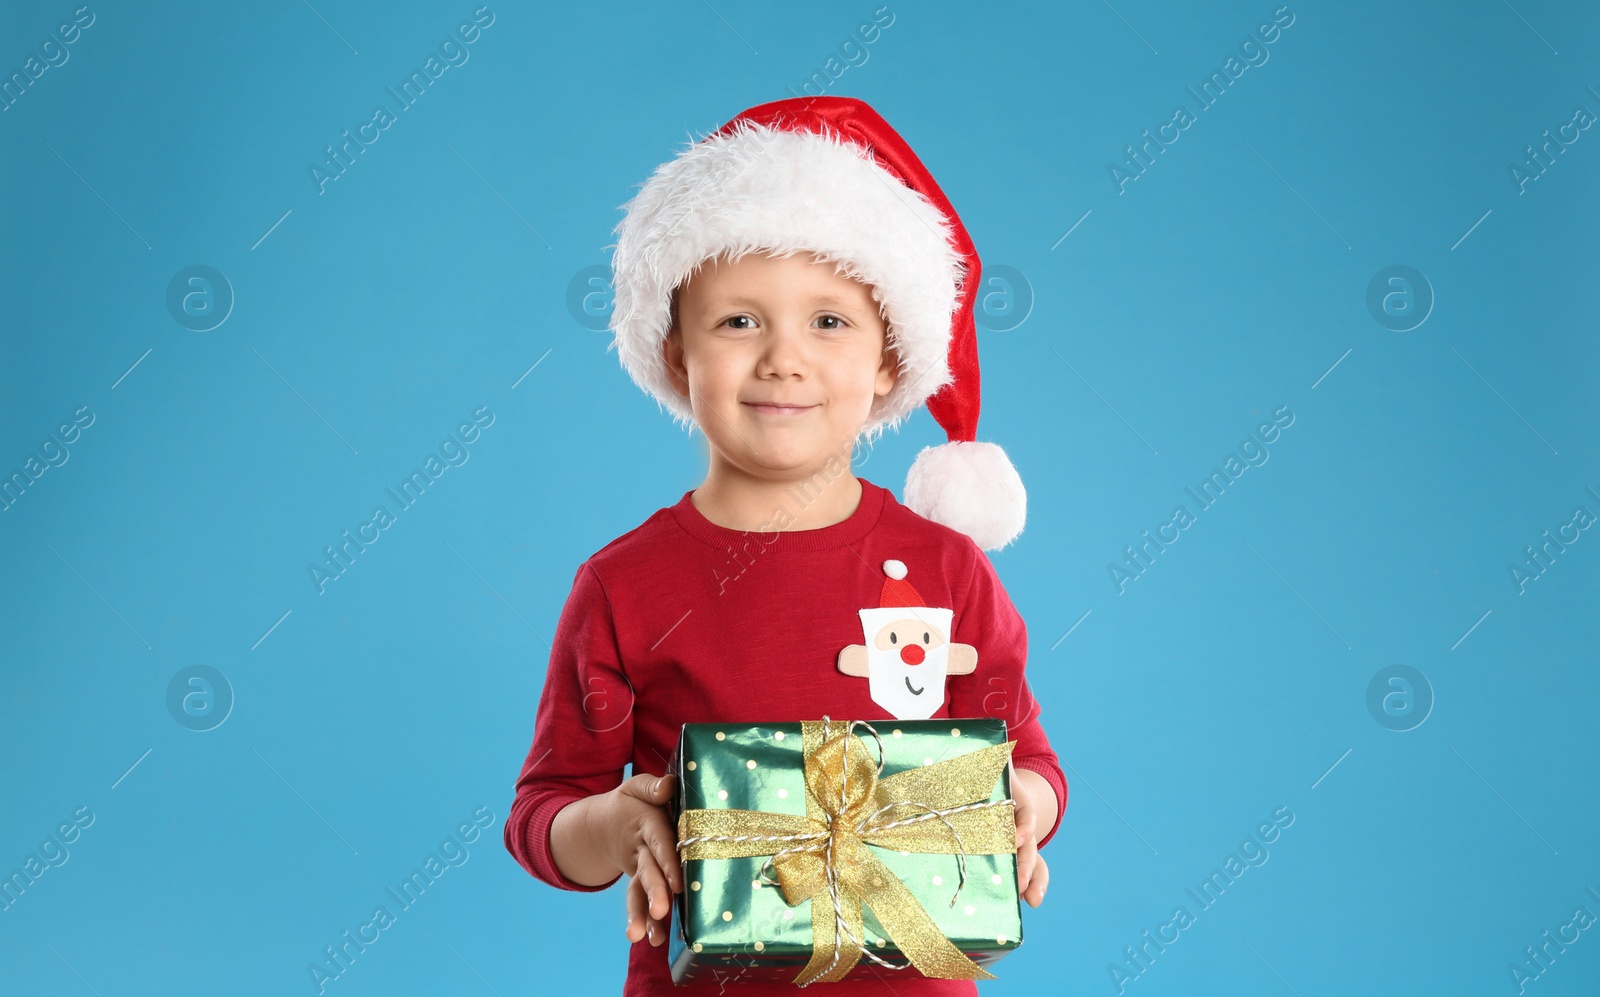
[661, 841]
[1024, 819]
[658, 931]
[640, 922]
[638, 917]
[654, 884]
[1040, 882]
[650, 788]
[659, 899]
[641, 787]
[1025, 860]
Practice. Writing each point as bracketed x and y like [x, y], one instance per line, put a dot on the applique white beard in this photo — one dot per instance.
[908, 692]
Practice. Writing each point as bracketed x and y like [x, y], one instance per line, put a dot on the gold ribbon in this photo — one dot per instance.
[942, 809]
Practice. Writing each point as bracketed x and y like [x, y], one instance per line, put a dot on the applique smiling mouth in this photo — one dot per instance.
[913, 691]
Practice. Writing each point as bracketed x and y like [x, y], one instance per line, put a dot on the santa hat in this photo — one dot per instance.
[827, 175]
[896, 590]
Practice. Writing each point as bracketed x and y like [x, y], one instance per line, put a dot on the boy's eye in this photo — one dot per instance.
[731, 323]
[838, 323]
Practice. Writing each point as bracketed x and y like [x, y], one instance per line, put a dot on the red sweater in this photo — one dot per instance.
[684, 621]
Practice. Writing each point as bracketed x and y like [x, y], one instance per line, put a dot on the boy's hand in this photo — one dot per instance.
[1033, 876]
[631, 823]
[640, 922]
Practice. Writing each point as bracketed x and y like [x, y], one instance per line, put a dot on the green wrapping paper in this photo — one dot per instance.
[731, 926]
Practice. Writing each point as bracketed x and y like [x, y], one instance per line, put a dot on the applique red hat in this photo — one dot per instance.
[827, 175]
[896, 590]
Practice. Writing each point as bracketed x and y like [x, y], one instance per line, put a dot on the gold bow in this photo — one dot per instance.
[942, 808]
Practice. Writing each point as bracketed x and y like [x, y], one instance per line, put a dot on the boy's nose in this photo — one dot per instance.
[785, 350]
[912, 654]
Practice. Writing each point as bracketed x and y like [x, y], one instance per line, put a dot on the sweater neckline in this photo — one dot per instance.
[846, 531]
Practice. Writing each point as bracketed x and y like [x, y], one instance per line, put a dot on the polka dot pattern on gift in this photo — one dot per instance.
[980, 919]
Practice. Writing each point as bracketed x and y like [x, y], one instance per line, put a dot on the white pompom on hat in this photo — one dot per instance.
[827, 175]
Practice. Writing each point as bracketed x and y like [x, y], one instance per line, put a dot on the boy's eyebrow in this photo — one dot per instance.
[745, 301]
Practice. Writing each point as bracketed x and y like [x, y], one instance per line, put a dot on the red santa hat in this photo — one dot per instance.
[827, 175]
[896, 590]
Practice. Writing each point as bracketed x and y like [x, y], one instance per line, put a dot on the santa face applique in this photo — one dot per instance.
[908, 652]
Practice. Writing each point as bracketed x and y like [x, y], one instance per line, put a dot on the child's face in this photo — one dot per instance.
[792, 331]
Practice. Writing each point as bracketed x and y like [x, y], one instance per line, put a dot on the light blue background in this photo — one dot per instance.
[1225, 682]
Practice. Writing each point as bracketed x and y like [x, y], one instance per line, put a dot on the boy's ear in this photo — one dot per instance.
[672, 356]
[888, 370]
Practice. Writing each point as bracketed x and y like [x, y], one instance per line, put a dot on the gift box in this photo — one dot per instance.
[829, 850]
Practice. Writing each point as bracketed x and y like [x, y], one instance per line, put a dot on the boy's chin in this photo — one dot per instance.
[792, 447]
[795, 462]
[796, 467]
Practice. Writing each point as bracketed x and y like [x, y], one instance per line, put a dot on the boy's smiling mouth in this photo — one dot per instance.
[779, 409]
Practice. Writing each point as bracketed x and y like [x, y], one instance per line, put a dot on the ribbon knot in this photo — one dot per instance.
[941, 808]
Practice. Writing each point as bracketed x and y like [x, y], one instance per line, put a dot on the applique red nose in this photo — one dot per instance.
[912, 654]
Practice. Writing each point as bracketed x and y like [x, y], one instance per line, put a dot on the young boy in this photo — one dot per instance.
[791, 285]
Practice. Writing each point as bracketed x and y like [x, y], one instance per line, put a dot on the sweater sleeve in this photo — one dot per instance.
[987, 620]
[583, 730]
